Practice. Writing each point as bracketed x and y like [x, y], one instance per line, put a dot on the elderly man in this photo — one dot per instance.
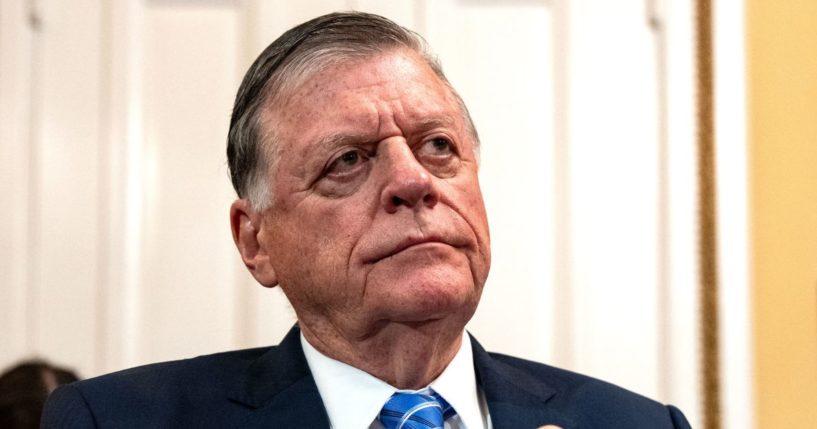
[355, 162]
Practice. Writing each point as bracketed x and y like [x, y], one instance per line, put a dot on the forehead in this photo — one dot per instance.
[368, 95]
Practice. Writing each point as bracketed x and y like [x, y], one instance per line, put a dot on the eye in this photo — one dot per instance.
[441, 145]
[439, 156]
[349, 158]
[347, 164]
[436, 150]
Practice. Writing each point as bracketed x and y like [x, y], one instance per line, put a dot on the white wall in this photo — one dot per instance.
[116, 248]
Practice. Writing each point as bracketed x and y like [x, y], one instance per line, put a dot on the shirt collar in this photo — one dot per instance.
[458, 386]
[357, 407]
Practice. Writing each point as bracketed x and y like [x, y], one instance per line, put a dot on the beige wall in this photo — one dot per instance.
[782, 57]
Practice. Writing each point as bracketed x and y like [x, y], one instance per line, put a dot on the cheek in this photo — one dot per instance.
[317, 239]
[467, 202]
[467, 198]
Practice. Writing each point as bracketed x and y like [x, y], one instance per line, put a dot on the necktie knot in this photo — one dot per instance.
[415, 411]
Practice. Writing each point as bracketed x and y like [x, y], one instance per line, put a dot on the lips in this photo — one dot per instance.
[387, 251]
[411, 243]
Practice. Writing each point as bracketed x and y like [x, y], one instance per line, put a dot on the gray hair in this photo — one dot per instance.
[292, 58]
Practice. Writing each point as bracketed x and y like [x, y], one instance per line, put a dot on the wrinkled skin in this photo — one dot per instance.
[377, 231]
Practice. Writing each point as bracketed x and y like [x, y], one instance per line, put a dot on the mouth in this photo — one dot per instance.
[409, 243]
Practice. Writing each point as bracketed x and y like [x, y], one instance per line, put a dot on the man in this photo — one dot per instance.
[355, 162]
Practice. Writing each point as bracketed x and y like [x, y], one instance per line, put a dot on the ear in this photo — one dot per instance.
[246, 224]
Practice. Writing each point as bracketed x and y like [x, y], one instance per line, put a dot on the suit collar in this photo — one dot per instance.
[280, 390]
[515, 398]
[279, 387]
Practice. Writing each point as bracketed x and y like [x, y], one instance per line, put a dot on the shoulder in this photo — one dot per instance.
[590, 402]
[195, 376]
[564, 382]
[147, 396]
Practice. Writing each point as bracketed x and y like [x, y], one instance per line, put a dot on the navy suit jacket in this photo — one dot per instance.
[272, 387]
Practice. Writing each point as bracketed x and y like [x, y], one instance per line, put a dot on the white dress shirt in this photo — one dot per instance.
[353, 398]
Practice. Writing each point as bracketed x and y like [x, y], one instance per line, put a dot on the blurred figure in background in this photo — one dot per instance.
[23, 389]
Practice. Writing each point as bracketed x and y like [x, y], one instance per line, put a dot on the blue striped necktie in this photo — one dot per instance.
[415, 411]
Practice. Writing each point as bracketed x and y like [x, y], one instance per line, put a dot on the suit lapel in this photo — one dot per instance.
[279, 389]
[516, 400]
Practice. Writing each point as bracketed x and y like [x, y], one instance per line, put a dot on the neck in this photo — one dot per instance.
[405, 355]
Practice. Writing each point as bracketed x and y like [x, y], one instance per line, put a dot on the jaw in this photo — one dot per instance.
[400, 317]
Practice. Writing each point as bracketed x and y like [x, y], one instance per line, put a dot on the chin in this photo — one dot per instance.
[431, 301]
[416, 289]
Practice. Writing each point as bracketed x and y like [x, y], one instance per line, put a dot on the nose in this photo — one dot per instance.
[407, 183]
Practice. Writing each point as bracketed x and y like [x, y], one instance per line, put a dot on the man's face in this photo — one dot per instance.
[377, 214]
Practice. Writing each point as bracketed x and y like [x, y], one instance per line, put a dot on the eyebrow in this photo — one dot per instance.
[338, 139]
[331, 141]
[437, 121]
